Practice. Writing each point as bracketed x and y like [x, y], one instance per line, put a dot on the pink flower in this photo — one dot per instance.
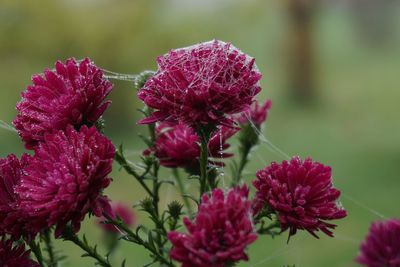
[12, 221]
[202, 84]
[120, 210]
[381, 248]
[14, 256]
[65, 179]
[74, 93]
[257, 113]
[301, 193]
[178, 145]
[219, 235]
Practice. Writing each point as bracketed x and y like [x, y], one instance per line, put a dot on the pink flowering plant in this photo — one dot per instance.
[198, 100]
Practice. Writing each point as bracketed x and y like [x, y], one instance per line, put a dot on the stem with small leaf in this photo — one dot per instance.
[135, 238]
[204, 134]
[121, 159]
[49, 248]
[248, 138]
[268, 229]
[182, 190]
[35, 248]
[69, 235]
[243, 161]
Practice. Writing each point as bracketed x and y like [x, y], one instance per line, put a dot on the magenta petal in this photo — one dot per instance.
[65, 178]
[219, 234]
[202, 84]
[73, 93]
[177, 145]
[382, 245]
[301, 193]
[15, 256]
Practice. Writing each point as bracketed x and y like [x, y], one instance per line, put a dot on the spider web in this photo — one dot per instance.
[264, 141]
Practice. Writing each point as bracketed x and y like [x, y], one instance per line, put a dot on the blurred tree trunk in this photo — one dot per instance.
[301, 50]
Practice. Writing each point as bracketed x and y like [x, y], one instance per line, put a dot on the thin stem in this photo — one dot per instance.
[267, 229]
[160, 238]
[35, 248]
[69, 235]
[182, 190]
[50, 249]
[156, 187]
[120, 158]
[243, 161]
[135, 238]
[203, 160]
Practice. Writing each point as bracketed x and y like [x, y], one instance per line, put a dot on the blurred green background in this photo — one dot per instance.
[331, 68]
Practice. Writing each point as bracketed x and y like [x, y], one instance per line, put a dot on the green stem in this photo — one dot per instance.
[50, 249]
[69, 235]
[203, 161]
[182, 190]
[156, 187]
[243, 161]
[35, 248]
[120, 158]
[135, 238]
[267, 229]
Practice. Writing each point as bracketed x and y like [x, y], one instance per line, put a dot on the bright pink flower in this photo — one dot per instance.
[301, 193]
[120, 210]
[14, 256]
[12, 221]
[178, 145]
[257, 113]
[381, 248]
[65, 179]
[219, 235]
[201, 84]
[73, 93]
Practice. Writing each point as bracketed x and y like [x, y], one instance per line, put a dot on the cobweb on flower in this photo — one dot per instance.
[218, 78]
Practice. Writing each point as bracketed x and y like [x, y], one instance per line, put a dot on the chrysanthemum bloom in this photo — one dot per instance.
[119, 210]
[15, 256]
[219, 235]
[257, 113]
[301, 193]
[12, 221]
[381, 248]
[178, 145]
[65, 179]
[73, 93]
[201, 84]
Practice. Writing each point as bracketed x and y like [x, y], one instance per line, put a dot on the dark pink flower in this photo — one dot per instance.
[202, 84]
[120, 210]
[73, 93]
[12, 221]
[65, 179]
[256, 113]
[381, 248]
[301, 193]
[219, 235]
[15, 256]
[178, 145]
